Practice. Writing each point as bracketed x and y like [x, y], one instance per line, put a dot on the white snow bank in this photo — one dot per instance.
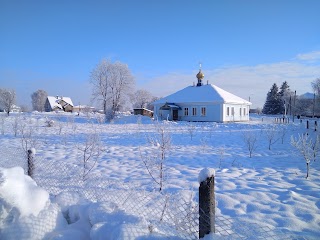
[21, 192]
[27, 213]
[206, 173]
[25, 208]
[67, 199]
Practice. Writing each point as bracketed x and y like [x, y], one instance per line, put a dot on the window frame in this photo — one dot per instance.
[203, 111]
[194, 111]
[186, 111]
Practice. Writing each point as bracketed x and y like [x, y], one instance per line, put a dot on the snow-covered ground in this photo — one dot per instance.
[269, 189]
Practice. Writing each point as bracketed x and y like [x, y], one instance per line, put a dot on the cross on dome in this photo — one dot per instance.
[200, 76]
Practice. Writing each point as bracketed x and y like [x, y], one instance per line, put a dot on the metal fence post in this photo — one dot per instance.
[307, 124]
[30, 163]
[206, 207]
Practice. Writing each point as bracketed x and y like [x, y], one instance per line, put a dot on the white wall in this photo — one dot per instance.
[214, 112]
[161, 114]
[234, 112]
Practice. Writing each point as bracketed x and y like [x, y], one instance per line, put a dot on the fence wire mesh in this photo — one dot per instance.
[171, 215]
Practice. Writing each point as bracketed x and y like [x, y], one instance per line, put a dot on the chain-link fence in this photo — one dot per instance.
[171, 215]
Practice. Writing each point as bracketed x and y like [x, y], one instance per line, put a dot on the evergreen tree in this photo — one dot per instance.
[273, 101]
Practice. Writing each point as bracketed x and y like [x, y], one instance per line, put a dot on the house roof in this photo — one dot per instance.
[205, 93]
[54, 104]
[167, 106]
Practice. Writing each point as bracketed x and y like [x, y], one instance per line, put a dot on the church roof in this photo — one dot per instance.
[202, 94]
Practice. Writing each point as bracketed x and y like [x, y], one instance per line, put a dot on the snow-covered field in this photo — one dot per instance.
[268, 189]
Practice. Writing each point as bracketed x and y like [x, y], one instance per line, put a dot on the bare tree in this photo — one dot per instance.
[315, 146]
[316, 89]
[111, 84]
[150, 104]
[283, 132]
[155, 161]
[191, 129]
[308, 148]
[316, 86]
[60, 123]
[250, 140]
[99, 78]
[39, 98]
[204, 143]
[7, 99]
[272, 135]
[141, 98]
[90, 151]
[221, 151]
[17, 124]
[120, 85]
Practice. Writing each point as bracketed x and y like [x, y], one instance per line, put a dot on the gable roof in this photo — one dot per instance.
[202, 94]
[53, 101]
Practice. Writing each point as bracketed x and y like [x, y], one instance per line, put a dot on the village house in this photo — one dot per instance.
[58, 104]
[202, 103]
[143, 112]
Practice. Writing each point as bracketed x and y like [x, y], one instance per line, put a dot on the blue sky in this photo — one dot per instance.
[244, 45]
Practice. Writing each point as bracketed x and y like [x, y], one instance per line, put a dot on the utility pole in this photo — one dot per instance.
[290, 104]
[294, 105]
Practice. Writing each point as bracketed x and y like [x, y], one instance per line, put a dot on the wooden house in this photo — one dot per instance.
[58, 104]
[143, 112]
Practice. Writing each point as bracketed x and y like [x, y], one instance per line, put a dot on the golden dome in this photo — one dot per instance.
[200, 75]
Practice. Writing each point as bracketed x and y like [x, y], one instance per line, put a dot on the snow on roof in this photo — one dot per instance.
[204, 93]
[53, 101]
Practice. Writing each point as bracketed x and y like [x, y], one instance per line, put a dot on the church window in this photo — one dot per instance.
[186, 111]
[203, 111]
[194, 111]
[228, 111]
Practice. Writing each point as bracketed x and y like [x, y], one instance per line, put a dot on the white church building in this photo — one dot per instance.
[202, 103]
